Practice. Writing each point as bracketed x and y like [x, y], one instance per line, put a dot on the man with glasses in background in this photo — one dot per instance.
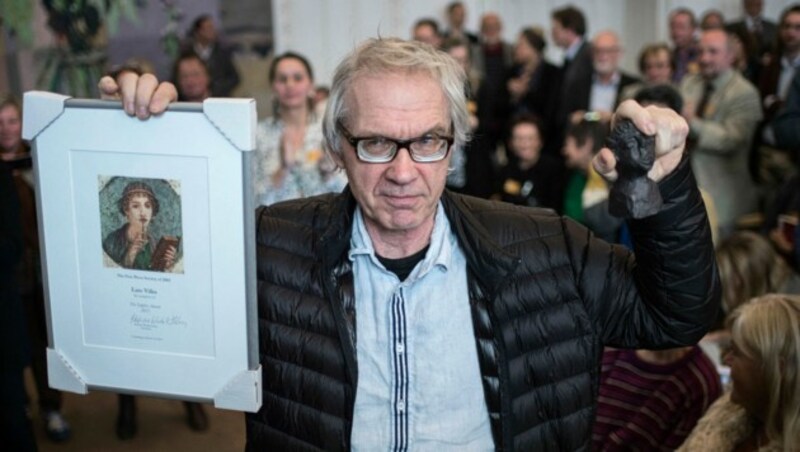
[399, 315]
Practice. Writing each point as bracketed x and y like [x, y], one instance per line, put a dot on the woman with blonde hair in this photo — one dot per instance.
[748, 267]
[761, 412]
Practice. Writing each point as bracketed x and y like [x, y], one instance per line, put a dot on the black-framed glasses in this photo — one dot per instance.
[428, 148]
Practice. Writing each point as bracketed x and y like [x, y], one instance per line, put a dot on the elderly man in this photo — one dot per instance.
[607, 82]
[723, 110]
[399, 315]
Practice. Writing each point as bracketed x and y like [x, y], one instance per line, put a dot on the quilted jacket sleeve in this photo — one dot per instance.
[665, 295]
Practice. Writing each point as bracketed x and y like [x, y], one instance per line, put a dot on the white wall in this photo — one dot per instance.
[325, 30]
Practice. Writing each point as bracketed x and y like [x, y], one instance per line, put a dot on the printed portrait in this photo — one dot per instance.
[141, 223]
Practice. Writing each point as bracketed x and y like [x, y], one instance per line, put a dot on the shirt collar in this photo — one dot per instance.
[203, 51]
[439, 253]
[613, 82]
[722, 79]
[787, 63]
[573, 49]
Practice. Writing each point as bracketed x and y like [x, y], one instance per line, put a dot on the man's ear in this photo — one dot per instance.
[335, 156]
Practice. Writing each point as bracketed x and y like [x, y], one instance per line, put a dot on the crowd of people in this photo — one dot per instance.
[521, 130]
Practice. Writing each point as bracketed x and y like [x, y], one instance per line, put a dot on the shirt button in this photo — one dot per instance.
[401, 406]
[400, 348]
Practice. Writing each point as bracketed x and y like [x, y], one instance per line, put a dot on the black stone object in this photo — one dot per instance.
[633, 195]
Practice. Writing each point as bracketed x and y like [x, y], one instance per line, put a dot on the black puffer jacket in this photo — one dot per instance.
[546, 297]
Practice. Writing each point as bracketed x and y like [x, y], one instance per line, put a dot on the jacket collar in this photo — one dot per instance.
[335, 238]
[489, 262]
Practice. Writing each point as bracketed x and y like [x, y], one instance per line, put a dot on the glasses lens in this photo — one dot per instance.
[429, 148]
[376, 150]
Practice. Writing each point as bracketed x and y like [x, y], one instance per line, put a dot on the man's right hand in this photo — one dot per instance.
[141, 95]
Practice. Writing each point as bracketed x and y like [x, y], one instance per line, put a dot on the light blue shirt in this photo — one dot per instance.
[604, 95]
[419, 383]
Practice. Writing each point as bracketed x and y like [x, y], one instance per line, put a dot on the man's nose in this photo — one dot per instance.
[403, 168]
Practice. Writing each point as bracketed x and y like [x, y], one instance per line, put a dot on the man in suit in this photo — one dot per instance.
[493, 61]
[757, 35]
[456, 16]
[771, 162]
[218, 57]
[723, 110]
[682, 29]
[607, 81]
[781, 64]
[568, 28]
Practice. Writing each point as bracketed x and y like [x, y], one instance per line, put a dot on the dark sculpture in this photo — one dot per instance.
[633, 195]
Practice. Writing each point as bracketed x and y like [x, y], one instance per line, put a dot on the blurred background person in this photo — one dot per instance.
[467, 165]
[757, 35]
[655, 65]
[783, 126]
[712, 18]
[534, 84]
[723, 111]
[762, 409]
[531, 178]
[652, 399]
[204, 40]
[780, 66]
[682, 33]
[427, 30]
[191, 78]
[456, 17]
[289, 161]
[749, 267]
[608, 81]
[772, 160]
[584, 139]
[11, 144]
[568, 30]
[493, 60]
[16, 153]
[15, 426]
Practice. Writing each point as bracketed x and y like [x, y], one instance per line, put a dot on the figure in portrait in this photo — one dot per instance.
[137, 243]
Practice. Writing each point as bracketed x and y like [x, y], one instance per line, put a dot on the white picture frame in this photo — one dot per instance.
[138, 320]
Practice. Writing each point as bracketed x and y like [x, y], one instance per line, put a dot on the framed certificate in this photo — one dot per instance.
[147, 231]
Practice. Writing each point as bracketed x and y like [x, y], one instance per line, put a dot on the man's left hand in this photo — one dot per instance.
[669, 128]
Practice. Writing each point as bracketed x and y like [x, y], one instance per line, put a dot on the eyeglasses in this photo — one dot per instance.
[428, 148]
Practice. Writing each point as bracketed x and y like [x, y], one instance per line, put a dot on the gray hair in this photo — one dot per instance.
[392, 55]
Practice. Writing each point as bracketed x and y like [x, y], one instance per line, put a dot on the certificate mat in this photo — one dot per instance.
[147, 231]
